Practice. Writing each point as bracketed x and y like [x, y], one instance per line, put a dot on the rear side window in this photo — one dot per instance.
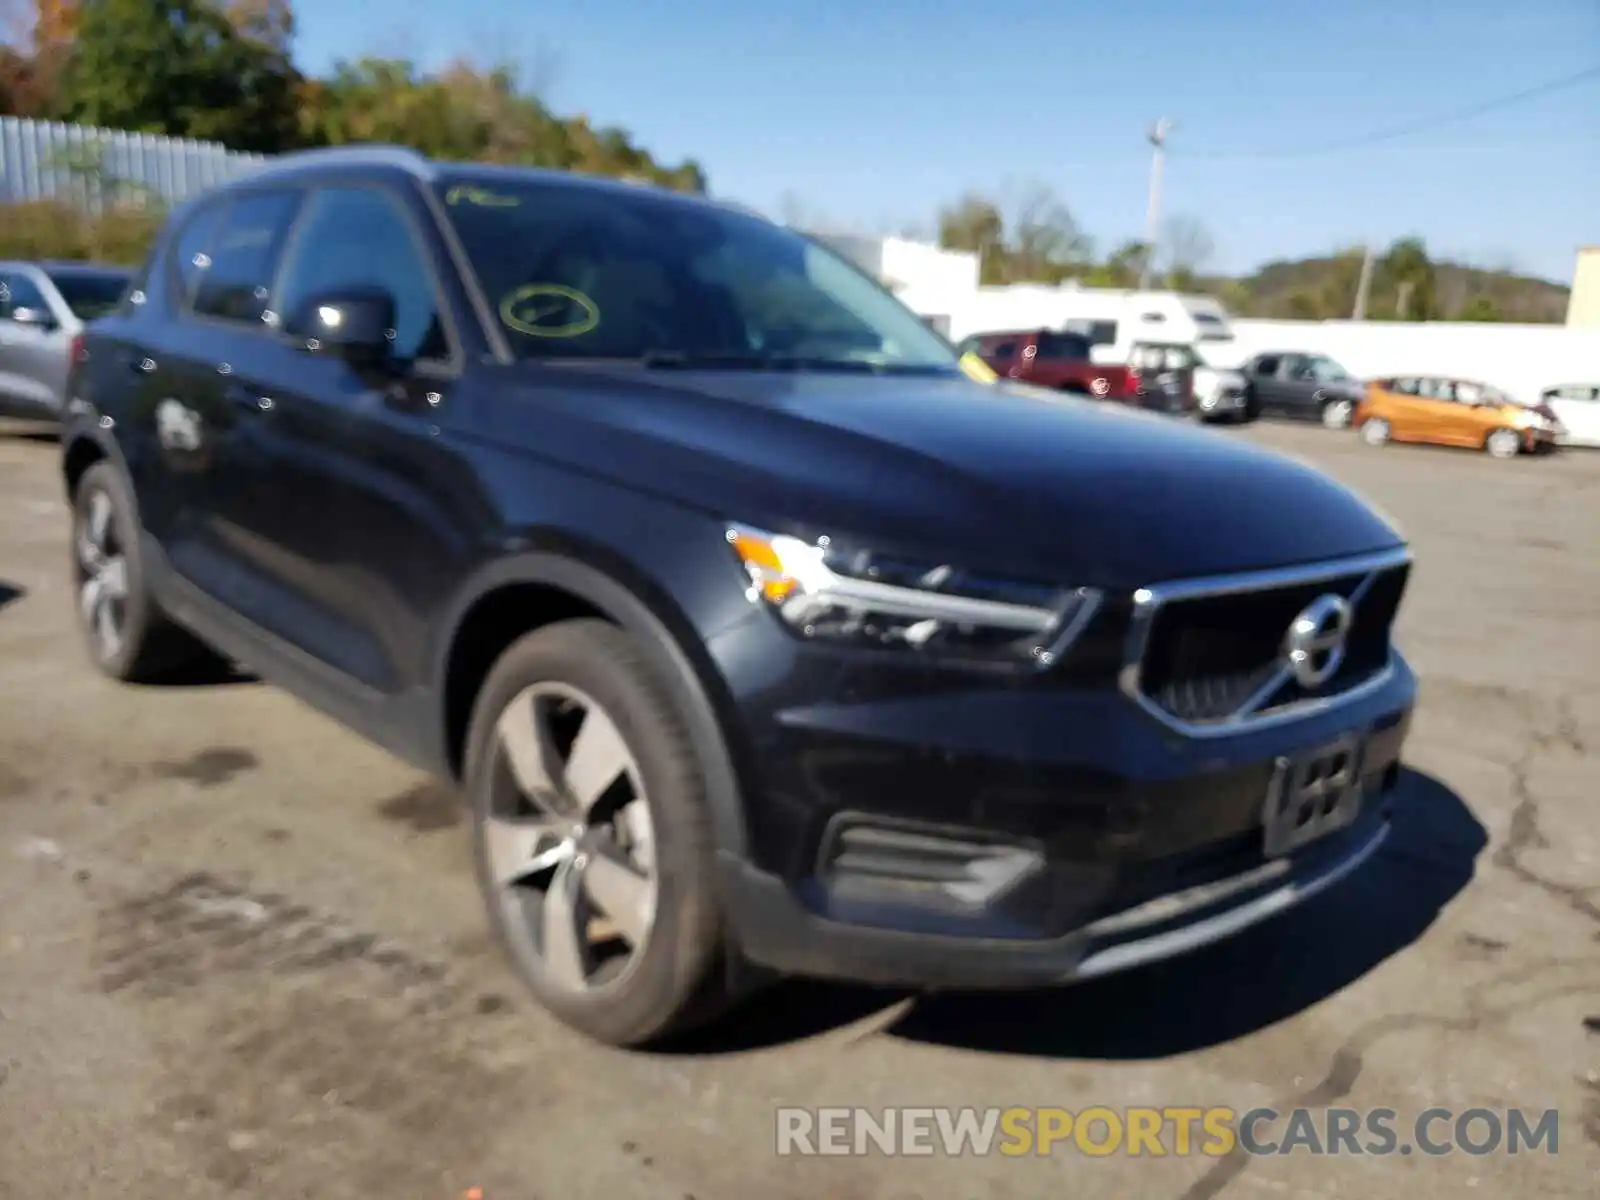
[1063, 345]
[90, 295]
[1003, 350]
[18, 291]
[236, 278]
[1267, 364]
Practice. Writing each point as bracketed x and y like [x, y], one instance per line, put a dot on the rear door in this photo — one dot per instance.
[1262, 372]
[212, 420]
[34, 354]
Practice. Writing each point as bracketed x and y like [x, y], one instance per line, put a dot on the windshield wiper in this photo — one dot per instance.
[756, 362]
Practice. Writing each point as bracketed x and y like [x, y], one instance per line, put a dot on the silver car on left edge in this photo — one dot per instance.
[43, 307]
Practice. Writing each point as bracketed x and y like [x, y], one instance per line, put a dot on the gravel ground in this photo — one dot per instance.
[241, 953]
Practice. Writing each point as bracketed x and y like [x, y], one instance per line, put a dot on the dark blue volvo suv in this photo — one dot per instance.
[758, 637]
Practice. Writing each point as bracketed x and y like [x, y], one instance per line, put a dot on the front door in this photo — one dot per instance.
[1299, 387]
[361, 500]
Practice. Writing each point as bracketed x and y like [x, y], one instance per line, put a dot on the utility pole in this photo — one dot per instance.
[1362, 288]
[1157, 138]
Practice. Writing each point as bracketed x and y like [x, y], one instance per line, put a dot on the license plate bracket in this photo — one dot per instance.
[1312, 794]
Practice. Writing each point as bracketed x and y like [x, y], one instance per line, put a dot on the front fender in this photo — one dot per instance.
[665, 634]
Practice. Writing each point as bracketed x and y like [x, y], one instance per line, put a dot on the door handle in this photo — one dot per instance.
[248, 399]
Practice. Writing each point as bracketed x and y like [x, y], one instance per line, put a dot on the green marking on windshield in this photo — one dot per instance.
[549, 310]
[482, 197]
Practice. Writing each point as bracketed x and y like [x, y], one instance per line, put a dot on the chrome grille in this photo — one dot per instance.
[1209, 655]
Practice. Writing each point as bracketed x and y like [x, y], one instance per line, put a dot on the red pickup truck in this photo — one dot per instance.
[1046, 358]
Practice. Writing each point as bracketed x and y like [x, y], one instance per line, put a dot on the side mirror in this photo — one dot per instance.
[34, 318]
[355, 324]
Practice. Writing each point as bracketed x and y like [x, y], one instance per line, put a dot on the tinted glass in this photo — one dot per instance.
[358, 237]
[18, 291]
[1266, 365]
[189, 258]
[578, 271]
[236, 282]
[90, 294]
[1063, 345]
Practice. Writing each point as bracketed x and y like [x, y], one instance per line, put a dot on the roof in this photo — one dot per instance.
[68, 266]
[426, 170]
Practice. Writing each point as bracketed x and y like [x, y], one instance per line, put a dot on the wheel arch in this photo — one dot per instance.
[529, 589]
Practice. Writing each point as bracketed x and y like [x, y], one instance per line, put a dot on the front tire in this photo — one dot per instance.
[1336, 414]
[1375, 432]
[592, 836]
[1503, 443]
[128, 637]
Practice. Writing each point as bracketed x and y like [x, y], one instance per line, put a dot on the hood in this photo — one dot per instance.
[996, 477]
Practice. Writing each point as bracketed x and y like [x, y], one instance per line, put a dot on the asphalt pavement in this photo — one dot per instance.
[241, 953]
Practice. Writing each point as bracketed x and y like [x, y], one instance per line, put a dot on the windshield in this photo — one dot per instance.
[90, 294]
[579, 272]
[1325, 370]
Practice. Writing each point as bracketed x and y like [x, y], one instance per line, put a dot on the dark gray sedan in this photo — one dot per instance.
[43, 307]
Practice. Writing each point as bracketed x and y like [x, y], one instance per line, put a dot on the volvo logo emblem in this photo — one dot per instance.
[1314, 645]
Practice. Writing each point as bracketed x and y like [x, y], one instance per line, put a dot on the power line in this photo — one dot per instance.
[1398, 131]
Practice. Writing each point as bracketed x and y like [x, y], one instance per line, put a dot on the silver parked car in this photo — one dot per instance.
[43, 307]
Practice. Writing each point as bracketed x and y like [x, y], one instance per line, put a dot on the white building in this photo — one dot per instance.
[943, 286]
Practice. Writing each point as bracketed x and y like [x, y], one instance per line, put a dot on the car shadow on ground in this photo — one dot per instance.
[29, 431]
[10, 592]
[1226, 991]
[207, 671]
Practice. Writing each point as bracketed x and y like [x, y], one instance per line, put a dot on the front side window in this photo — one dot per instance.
[359, 238]
[1325, 370]
[189, 249]
[90, 294]
[235, 276]
[584, 272]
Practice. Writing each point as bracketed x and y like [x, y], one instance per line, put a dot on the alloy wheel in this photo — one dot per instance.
[102, 576]
[1375, 432]
[1504, 443]
[1336, 413]
[568, 841]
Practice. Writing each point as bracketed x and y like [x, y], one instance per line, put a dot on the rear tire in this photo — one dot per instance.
[1375, 431]
[1503, 443]
[128, 637]
[592, 836]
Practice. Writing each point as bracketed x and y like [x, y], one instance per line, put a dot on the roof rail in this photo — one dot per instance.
[359, 154]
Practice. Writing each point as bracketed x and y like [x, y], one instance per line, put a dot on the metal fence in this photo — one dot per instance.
[46, 159]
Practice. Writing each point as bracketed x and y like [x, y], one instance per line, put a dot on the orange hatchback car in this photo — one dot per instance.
[1453, 412]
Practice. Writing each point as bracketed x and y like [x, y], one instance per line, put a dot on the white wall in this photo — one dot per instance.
[928, 276]
[1523, 359]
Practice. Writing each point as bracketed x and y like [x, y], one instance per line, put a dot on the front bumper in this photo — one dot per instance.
[1223, 402]
[1145, 843]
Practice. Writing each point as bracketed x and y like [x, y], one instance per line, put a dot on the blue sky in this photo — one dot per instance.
[874, 115]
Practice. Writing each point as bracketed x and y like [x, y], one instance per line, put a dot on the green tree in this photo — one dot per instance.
[1480, 308]
[1405, 283]
[179, 68]
[975, 224]
[1120, 269]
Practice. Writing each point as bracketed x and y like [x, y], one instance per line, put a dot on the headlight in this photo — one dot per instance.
[1528, 420]
[823, 591]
